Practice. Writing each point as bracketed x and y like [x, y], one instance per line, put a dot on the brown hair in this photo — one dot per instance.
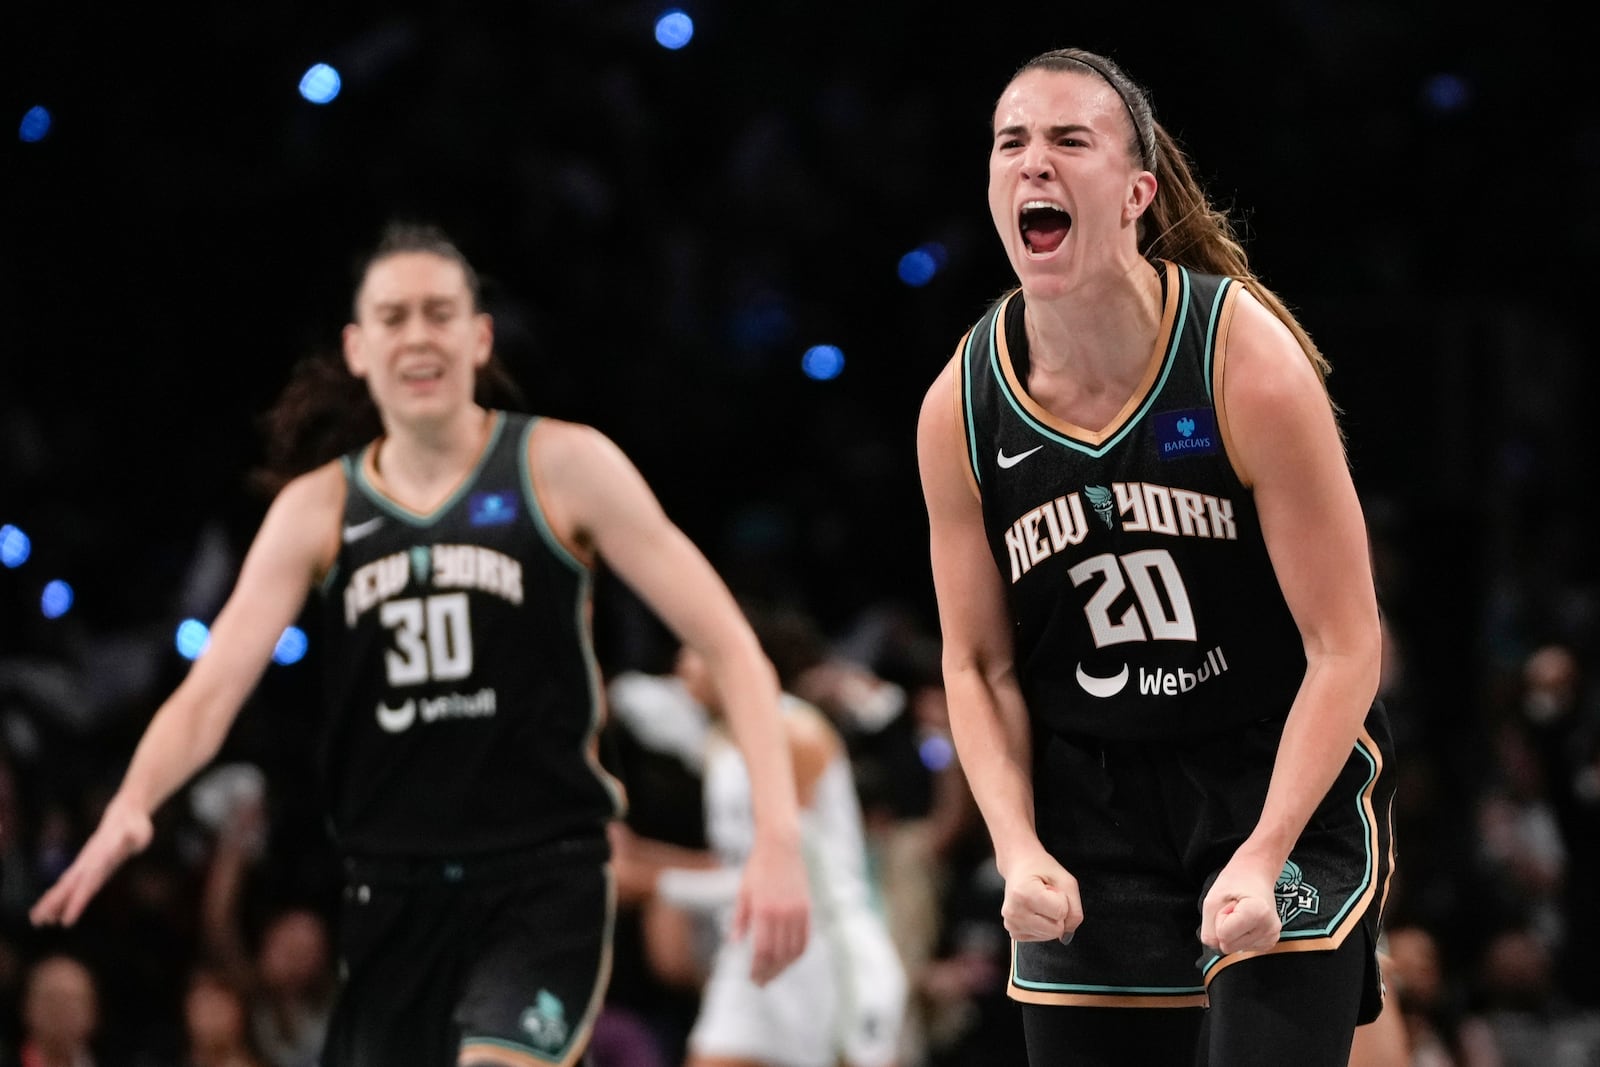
[1181, 224]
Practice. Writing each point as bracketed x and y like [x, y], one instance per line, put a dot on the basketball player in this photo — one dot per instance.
[843, 1002]
[454, 555]
[1161, 635]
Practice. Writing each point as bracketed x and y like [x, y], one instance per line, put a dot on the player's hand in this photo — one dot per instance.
[774, 908]
[1041, 901]
[123, 831]
[636, 877]
[1240, 913]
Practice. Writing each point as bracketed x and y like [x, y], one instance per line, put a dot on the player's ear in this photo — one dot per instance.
[483, 338]
[354, 356]
[1141, 194]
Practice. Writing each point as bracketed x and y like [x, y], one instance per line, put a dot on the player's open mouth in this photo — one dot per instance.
[421, 374]
[1044, 226]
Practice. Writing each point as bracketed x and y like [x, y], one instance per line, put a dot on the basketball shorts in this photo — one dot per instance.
[511, 952]
[1146, 827]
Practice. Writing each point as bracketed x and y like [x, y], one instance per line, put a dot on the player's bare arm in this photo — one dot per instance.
[295, 544]
[1287, 448]
[987, 716]
[598, 502]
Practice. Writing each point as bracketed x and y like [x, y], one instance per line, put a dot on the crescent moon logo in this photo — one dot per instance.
[395, 720]
[1103, 687]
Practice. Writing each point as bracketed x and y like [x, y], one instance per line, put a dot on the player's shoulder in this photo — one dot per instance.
[937, 401]
[1264, 360]
[321, 487]
[563, 440]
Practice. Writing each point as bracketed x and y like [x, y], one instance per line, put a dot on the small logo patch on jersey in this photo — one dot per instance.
[1103, 687]
[492, 509]
[1101, 500]
[356, 531]
[1186, 433]
[1294, 895]
[397, 720]
[546, 1023]
[1007, 462]
[421, 564]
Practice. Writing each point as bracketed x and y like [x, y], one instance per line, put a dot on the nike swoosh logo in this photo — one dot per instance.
[1103, 687]
[362, 529]
[1007, 462]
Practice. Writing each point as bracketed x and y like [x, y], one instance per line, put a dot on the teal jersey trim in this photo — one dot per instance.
[1144, 408]
[1122, 990]
[532, 499]
[1211, 335]
[358, 477]
[966, 388]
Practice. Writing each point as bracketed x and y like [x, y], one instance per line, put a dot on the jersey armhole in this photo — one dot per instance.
[958, 391]
[1230, 301]
[566, 550]
[326, 581]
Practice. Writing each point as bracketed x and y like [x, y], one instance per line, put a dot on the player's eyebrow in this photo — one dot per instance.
[1053, 131]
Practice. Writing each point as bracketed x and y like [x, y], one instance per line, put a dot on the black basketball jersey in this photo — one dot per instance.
[462, 692]
[1142, 598]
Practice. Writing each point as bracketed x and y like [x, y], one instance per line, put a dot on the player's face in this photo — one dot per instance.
[1064, 192]
[417, 340]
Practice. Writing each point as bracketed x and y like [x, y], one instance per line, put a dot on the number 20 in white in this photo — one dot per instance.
[432, 638]
[1169, 618]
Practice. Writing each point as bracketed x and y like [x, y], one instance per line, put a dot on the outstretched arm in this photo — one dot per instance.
[1281, 432]
[987, 716]
[295, 543]
[596, 500]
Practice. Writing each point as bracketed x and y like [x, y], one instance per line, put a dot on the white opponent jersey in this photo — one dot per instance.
[844, 998]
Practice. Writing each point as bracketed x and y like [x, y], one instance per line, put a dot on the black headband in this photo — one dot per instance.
[1147, 149]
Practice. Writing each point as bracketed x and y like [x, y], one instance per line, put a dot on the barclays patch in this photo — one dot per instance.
[1187, 433]
[492, 509]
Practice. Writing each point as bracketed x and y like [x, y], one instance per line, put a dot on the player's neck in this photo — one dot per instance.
[420, 464]
[1100, 329]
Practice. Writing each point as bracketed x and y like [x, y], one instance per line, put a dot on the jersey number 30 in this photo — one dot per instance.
[432, 638]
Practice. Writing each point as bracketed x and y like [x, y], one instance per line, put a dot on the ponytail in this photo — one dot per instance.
[1181, 224]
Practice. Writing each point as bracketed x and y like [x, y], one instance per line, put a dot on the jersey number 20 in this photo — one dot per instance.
[1166, 610]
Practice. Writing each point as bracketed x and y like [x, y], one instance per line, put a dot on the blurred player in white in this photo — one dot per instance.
[844, 1000]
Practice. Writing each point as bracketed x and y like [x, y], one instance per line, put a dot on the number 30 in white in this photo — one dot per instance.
[432, 638]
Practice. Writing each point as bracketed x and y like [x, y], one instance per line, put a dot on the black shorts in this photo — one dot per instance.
[1145, 828]
[511, 951]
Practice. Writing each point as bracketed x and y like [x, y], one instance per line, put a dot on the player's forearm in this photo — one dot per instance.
[185, 735]
[748, 689]
[992, 739]
[1318, 735]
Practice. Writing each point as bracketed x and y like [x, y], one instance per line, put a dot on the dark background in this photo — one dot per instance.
[664, 233]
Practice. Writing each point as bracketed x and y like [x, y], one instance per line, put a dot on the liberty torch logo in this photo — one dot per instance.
[1294, 895]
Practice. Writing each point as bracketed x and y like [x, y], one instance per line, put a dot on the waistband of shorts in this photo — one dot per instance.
[1111, 744]
[503, 866]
